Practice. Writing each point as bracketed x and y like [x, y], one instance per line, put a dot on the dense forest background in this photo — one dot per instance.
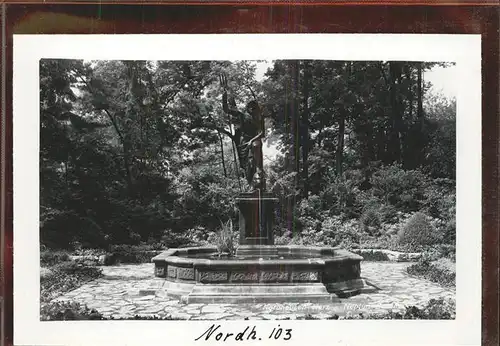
[131, 152]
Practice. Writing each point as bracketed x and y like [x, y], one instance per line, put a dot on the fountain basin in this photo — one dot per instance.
[260, 273]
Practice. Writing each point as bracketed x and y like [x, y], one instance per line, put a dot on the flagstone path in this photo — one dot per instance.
[129, 290]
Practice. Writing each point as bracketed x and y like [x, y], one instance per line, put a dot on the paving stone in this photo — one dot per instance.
[117, 294]
[182, 316]
[213, 308]
[233, 318]
[172, 302]
[197, 305]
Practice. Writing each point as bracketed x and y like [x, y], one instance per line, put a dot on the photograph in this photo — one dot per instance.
[279, 189]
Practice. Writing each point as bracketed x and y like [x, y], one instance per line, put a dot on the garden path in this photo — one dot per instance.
[128, 290]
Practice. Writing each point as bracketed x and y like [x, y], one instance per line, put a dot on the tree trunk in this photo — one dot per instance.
[295, 145]
[341, 122]
[420, 109]
[410, 91]
[340, 142]
[295, 118]
[420, 114]
[304, 129]
[395, 143]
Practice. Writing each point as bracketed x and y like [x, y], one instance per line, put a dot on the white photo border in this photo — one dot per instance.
[464, 50]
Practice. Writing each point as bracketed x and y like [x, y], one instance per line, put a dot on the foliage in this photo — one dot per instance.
[404, 189]
[225, 239]
[73, 311]
[131, 253]
[418, 232]
[371, 221]
[68, 311]
[49, 257]
[65, 276]
[434, 272]
[141, 151]
[375, 256]
[435, 309]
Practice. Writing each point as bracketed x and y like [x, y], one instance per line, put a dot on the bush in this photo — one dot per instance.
[339, 194]
[371, 221]
[49, 257]
[347, 233]
[74, 268]
[435, 309]
[404, 189]
[440, 199]
[68, 311]
[90, 252]
[64, 277]
[418, 232]
[225, 239]
[311, 207]
[131, 254]
[432, 272]
[197, 235]
[73, 311]
[374, 256]
[446, 251]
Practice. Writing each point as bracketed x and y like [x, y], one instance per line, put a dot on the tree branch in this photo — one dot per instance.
[111, 118]
[251, 91]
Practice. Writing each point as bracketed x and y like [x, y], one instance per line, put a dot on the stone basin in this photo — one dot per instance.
[263, 273]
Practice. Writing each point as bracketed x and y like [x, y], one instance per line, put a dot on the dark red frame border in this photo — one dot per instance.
[265, 18]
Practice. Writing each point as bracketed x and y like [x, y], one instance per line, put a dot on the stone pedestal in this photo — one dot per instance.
[256, 219]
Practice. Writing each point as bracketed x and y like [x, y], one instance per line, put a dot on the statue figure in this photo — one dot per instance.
[248, 134]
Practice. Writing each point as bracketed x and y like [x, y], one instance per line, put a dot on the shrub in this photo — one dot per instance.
[65, 276]
[225, 238]
[197, 235]
[311, 207]
[49, 257]
[435, 309]
[381, 242]
[371, 221]
[131, 254]
[446, 251]
[73, 311]
[450, 232]
[418, 232]
[333, 231]
[374, 256]
[90, 252]
[149, 317]
[68, 311]
[440, 199]
[174, 239]
[401, 188]
[347, 234]
[339, 194]
[432, 272]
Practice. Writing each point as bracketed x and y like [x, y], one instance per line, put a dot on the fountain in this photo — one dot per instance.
[260, 271]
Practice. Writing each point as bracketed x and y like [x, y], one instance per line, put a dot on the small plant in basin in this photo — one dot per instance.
[225, 239]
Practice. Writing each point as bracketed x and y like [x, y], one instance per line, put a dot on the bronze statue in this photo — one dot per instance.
[248, 134]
